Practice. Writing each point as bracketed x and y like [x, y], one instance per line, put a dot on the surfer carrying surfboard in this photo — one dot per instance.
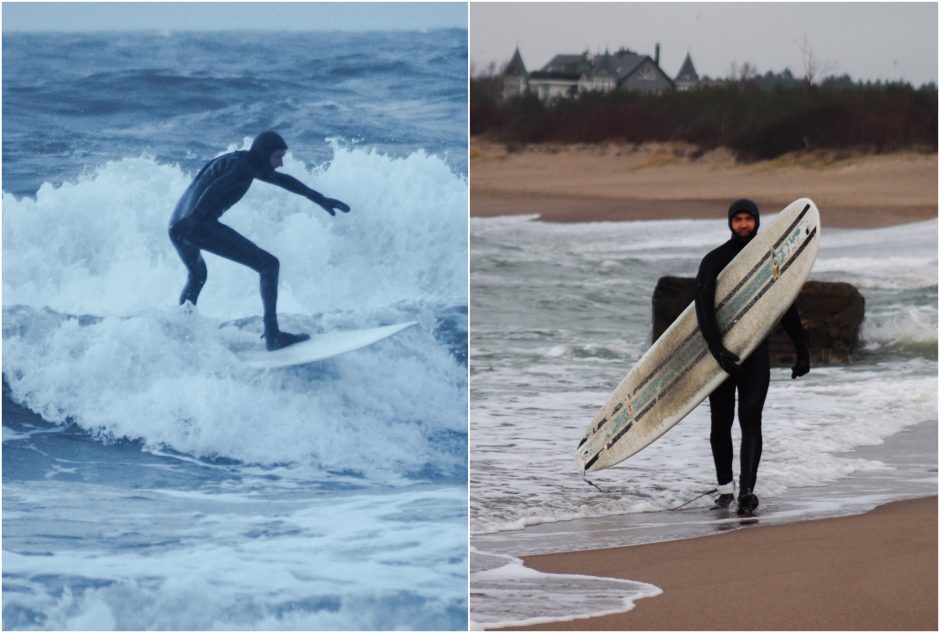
[195, 226]
[750, 377]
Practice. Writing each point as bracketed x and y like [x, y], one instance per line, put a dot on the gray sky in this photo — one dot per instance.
[887, 41]
[350, 16]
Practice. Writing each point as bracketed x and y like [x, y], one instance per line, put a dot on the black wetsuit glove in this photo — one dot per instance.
[728, 361]
[332, 204]
[329, 204]
[801, 368]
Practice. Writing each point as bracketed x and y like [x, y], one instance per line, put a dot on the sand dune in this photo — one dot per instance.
[621, 182]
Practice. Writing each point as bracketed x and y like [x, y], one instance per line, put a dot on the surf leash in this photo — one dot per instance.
[707, 492]
[588, 481]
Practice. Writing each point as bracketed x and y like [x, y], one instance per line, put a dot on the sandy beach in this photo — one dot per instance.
[621, 182]
[876, 571]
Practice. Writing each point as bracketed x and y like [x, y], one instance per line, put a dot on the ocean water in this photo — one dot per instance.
[152, 481]
[560, 312]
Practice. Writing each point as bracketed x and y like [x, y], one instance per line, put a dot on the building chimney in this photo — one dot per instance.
[657, 54]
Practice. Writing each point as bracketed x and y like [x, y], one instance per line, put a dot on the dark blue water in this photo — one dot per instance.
[72, 102]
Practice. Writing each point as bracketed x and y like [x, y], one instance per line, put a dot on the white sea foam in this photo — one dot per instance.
[99, 245]
[170, 379]
[505, 587]
[213, 563]
[140, 368]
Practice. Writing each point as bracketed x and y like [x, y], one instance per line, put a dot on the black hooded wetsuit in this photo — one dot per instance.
[753, 379]
[195, 225]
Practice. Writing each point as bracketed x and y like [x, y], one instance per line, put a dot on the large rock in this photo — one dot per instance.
[832, 315]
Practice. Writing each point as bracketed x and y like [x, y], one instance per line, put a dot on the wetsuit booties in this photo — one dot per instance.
[725, 496]
[275, 339]
[280, 339]
[723, 501]
[747, 502]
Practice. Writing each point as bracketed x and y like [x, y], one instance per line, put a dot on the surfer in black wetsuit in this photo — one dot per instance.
[195, 225]
[750, 378]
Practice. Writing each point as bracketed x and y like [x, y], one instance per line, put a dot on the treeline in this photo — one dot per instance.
[753, 122]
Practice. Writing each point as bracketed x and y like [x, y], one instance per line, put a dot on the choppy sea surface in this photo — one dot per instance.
[151, 480]
[560, 312]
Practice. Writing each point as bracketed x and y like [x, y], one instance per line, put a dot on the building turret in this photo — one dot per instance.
[515, 77]
[687, 78]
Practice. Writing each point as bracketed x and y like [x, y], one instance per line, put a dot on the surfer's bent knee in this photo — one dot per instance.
[269, 264]
[179, 231]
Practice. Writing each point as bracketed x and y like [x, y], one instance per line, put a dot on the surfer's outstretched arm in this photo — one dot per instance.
[794, 329]
[295, 186]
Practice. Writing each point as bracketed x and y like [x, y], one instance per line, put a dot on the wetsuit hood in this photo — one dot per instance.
[743, 205]
[263, 146]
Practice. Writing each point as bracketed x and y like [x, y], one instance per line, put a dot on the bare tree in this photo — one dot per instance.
[743, 73]
[748, 71]
[813, 68]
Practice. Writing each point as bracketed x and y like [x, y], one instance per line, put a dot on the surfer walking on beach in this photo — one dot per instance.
[750, 378]
[195, 226]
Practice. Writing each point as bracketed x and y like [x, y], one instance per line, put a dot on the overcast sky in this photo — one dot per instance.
[888, 41]
[351, 16]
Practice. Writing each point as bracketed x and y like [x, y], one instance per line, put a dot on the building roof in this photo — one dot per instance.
[562, 65]
[687, 72]
[515, 65]
[618, 65]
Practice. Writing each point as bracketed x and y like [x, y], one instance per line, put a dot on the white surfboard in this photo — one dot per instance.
[321, 346]
[678, 372]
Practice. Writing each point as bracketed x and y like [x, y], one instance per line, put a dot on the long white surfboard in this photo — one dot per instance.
[678, 371]
[321, 346]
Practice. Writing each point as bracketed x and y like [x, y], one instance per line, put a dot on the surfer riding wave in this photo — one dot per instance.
[195, 226]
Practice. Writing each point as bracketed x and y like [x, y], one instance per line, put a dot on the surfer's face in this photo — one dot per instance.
[743, 224]
[277, 158]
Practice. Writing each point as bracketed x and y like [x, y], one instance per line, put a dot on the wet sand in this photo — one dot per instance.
[618, 182]
[876, 571]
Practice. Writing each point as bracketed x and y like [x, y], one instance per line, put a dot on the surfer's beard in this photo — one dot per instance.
[740, 241]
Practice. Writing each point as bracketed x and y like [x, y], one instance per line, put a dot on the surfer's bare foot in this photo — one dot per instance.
[280, 340]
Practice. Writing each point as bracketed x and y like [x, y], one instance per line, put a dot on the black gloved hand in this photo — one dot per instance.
[728, 361]
[801, 368]
[331, 204]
